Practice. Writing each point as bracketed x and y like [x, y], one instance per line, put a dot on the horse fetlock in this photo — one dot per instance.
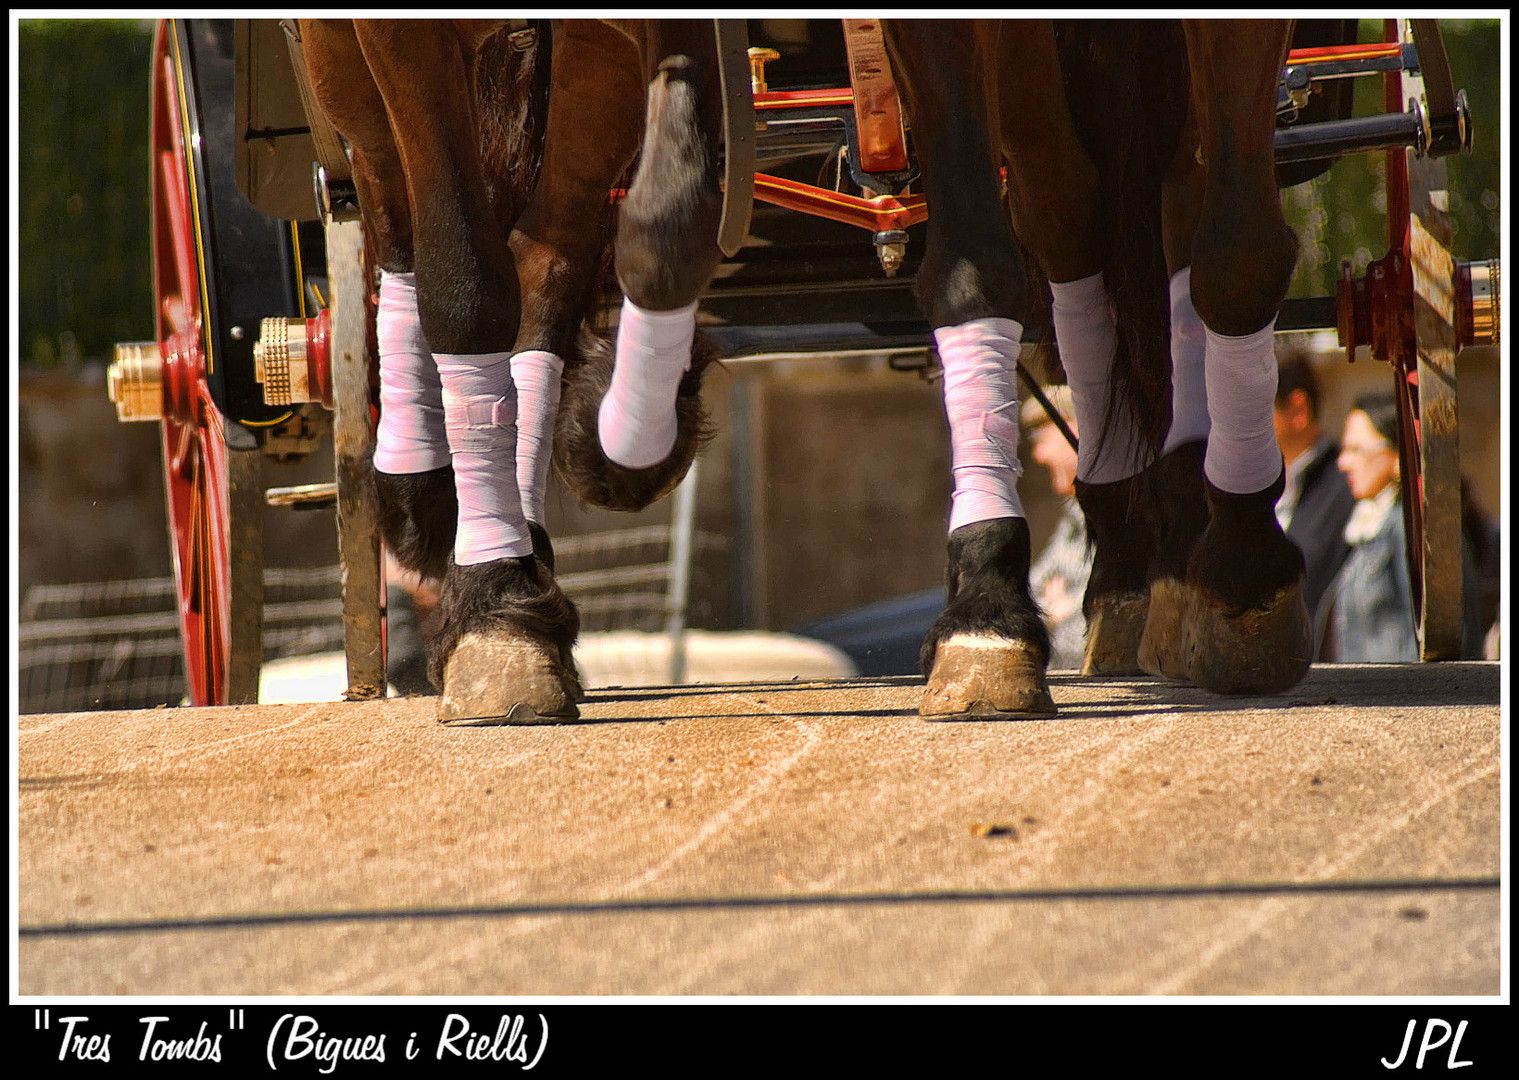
[988, 593]
[578, 454]
[1120, 521]
[510, 600]
[979, 676]
[1243, 557]
[1175, 482]
[417, 513]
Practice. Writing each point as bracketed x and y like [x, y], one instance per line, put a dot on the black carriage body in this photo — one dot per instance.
[251, 263]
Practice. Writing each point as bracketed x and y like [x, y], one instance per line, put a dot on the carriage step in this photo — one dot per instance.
[304, 496]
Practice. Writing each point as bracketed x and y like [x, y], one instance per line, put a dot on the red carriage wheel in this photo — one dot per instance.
[211, 468]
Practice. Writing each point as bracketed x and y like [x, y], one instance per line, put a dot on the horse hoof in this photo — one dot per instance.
[1114, 632]
[498, 679]
[1163, 642]
[1257, 651]
[980, 677]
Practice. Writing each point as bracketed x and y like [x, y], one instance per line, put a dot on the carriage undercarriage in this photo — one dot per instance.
[229, 127]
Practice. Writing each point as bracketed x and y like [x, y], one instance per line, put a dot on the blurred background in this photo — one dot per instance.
[825, 491]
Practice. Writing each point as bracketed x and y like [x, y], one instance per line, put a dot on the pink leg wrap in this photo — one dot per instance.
[480, 411]
[536, 377]
[1088, 340]
[636, 422]
[411, 437]
[1189, 384]
[981, 401]
[1243, 455]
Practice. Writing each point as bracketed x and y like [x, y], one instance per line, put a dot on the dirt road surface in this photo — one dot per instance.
[777, 839]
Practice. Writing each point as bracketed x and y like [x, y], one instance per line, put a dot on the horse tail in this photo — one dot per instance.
[511, 97]
[1126, 82]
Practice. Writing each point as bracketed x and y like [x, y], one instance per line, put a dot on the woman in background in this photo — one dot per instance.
[1372, 620]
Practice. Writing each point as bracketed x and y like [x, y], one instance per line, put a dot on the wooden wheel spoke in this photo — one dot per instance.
[174, 187]
[195, 573]
[184, 445]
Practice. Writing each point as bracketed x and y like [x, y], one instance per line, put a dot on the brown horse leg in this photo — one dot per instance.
[347, 92]
[596, 119]
[1238, 621]
[559, 240]
[986, 653]
[503, 627]
[1054, 190]
[594, 124]
[632, 421]
[416, 509]
[1175, 479]
[465, 277]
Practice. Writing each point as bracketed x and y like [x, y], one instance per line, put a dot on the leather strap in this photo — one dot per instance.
[738, 133]
[877, 109]
[329, 144]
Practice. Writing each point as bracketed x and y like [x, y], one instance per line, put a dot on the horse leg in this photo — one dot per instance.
[644, 407]
[1237, 622]
[1054, 190]
[503, 628]
[411, 477]
[591, 133]
[1176, 477]
[986, 653]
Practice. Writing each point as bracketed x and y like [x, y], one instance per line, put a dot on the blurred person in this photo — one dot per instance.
[409, 599]
[1375, 579]
[1482, 578]
[1058, 578]
[1372, 620]
[1316, 502]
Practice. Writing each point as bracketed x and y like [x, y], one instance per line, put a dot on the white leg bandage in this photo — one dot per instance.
[980, 360]
[1242, 452]
[636, 421]
[1088, 341]
[536, 377]
[1189, 384]
[411, 437]
[480, 411]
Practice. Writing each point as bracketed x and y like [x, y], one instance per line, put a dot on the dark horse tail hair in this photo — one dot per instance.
[1127, 85]
[511, 101]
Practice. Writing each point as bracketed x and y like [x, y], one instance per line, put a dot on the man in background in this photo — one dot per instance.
[1317, 501]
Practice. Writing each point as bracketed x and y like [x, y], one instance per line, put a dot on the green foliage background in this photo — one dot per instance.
[1341, 215]
[85, 280]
